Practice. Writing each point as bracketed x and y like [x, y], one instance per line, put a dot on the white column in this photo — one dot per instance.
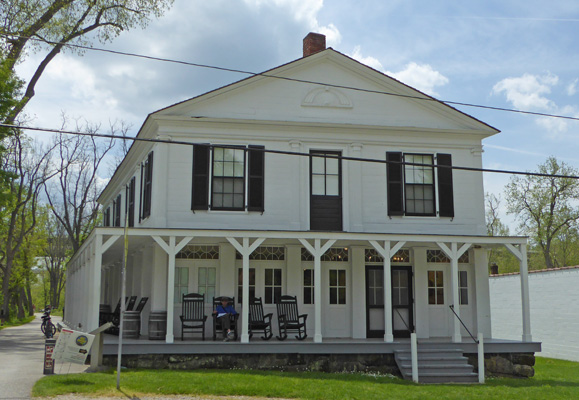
[170, 337]
[317, 251]
[456, 336]
[483, 305]
[525, 295]
[95, 285]
[245, 250]
[318, 294]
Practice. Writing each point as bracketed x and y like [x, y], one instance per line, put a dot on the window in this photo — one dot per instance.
[325, 174]
[107, 217]
[272, 285]
[206, 282]
[228, 178]
[411, 188]
[435, 287]
[117, 211]
[130, 202]
[308, 286]
[181, 283]
[463, 287]
[240, 284]
[337, 286]
[146, 186]
[419, 185]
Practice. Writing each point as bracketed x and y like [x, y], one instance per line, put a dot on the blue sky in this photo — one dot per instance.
[512, 54]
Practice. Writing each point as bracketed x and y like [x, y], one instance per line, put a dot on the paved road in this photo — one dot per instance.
[21, 360]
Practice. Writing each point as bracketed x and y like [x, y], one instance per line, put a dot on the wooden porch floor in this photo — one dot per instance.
[307, 346]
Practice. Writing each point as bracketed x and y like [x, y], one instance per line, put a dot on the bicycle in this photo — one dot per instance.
[47, 327]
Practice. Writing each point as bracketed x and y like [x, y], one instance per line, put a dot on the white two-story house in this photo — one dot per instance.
[322, 179]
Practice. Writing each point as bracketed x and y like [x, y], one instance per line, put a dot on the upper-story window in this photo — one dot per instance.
[107, 217]
[228, 178]
[130, 202]
[412, 180]
[117, 211]
[146, 186]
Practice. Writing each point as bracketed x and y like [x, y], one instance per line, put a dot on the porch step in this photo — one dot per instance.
[437, 365]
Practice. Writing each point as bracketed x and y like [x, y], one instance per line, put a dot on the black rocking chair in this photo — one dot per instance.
[257, 320]
[131, 304]
[142, 304]
[289, 319]
[193, 314]
[217, 322]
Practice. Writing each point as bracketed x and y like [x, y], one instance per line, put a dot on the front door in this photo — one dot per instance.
[325, 191]
[402, 301]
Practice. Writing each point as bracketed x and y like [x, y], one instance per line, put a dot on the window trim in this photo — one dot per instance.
[432, 185]
[311, 286]
[273, 286]
[435, 288]
[337, 287]
[212, 178]
[146, 187]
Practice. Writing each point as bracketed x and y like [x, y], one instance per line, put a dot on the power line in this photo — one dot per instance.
[266, 75]
[283, 152]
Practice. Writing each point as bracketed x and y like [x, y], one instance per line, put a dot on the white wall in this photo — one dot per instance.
[554, 310]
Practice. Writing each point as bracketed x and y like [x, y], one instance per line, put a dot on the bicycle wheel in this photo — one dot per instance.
[50, 330]
[43, 326]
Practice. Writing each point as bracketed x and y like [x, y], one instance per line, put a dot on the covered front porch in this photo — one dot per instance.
[363, 301]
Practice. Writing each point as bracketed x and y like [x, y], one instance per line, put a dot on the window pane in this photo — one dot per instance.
[342, 296]
[239, 156]
[332, 166]
[439, 296]
[211, 275]
[318, 185]
[379, 296]
[462, 279]
[341, 278]
[333, 295]
[395, 296]
[403, 279]
[269, 295]
[403, 296]
[430, 278]
[217, 168]
[439, 279]
[228, 154]
[276, 294]
[238, 201]
[227, 185]
[268, 277]
[218, 153]
[277, 277]
[308, 277]
[318, 165]
[333, 277]
[238, 170]
[431, 296]
[332, 185]
[308, 297]
[218, 185]
[252, 276]
[228, 169]
[202, 276]
[464, 296]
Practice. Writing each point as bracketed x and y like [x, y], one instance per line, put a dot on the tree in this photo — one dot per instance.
[545, 206]
[48, 25]
[495, 227]
[73, 194]
[56, 252]
[29, 169]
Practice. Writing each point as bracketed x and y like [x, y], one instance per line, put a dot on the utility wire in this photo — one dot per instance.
[266, 75]
[283, 152]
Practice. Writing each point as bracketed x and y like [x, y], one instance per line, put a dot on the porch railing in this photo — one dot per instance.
[403, 321]
[456, 315]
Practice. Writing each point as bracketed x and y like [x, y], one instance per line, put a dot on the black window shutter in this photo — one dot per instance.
[200, 184]
[141, 197]
[148, 186]
[117, 210]
[256, 188]
[131, 202]
[107, 217]
[445, 190]
[394, 182]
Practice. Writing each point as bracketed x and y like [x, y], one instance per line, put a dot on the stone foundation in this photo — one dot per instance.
[519, 365]
[377, 363]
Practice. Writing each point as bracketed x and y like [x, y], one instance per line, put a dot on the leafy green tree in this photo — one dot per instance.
[545, 206]
[46, 26]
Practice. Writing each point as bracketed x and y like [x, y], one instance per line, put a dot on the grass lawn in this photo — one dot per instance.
[17, 322]
[554, 379]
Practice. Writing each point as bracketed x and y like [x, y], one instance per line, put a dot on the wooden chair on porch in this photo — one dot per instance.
[217, 322]
[131, 304]
[288, 318]
[142, 304]
[193, 316]
[257, 320]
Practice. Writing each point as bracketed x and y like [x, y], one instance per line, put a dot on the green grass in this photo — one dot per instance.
[16, 322]
[555, 379]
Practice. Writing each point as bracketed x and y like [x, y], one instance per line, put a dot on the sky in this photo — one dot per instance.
[511, 54]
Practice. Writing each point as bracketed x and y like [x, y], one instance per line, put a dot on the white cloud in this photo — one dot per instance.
[303, 12]
[421, 76]
[369, 61]
[527, 92]
[557, 127]
[572, 88]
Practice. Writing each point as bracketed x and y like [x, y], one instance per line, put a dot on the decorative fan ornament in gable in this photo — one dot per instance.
[326, 97]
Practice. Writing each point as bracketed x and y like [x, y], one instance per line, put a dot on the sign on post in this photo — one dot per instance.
[72, 346]
[49, 345]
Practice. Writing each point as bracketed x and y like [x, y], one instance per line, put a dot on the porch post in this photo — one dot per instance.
[317, 251]
[317, 294]
[525, 301]
[456, 336]
[388, 335]
[170, 337]
[95, 282]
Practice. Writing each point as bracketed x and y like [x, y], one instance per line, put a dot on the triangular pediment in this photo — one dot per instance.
[331, 88]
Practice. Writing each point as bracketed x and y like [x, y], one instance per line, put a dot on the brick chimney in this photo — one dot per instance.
[314, 43]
